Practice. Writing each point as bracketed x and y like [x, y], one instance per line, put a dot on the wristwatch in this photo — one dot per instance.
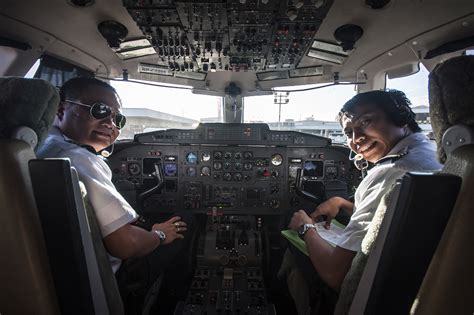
[305, 228]
[161, 235]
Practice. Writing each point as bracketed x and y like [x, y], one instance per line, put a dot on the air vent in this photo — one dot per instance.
[377, 4]
[81, 3]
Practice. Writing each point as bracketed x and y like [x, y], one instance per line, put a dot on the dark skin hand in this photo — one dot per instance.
[132, 241]
[330, 209]
[331, 263]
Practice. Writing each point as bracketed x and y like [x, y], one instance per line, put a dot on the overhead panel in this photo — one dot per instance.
[232, 35]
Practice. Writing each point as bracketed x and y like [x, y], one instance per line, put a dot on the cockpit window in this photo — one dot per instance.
[151, 108]
[312, 111]
[33, 69]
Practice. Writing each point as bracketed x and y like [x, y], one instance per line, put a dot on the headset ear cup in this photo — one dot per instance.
[405, 115]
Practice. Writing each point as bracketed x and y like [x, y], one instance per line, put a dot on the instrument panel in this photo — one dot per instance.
[210, 36]
[214, 177]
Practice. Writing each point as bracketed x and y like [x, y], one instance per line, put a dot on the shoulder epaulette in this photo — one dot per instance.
[392, 157]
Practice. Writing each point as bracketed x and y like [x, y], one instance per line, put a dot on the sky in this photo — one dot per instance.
[321, 104]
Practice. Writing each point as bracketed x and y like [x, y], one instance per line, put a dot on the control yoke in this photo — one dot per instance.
[303, 193]
[158, 174]
[342, 216]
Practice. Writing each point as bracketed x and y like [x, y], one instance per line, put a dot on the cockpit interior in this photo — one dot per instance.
[240, 180]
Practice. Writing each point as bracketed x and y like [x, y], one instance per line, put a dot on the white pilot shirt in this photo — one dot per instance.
[414, 153]
[111, 209]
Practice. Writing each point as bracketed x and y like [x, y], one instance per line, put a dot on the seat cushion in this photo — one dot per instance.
[27, 102]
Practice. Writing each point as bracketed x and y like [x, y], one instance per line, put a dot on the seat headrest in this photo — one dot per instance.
[451, 94]
[30, 103]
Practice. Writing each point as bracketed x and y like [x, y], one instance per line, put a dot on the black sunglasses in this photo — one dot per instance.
[101, 111]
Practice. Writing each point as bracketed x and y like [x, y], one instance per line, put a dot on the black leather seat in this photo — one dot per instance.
[415, 219]
[82, 273]
[81, 270]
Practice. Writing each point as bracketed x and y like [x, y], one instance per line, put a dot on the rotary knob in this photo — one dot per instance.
[274, 204]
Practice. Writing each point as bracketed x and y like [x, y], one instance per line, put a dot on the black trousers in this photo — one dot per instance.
[322, 297]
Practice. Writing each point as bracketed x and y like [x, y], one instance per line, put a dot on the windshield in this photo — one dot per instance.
[315, 111]
[311, 111]
[150, 108]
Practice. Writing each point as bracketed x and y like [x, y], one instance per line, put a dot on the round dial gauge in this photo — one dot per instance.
[191, 158]
[191, 171]
[206, 156]
[134, 169]
[217, 165]
[277, 159]
[205, 171]
[217, 155]
[248, 166]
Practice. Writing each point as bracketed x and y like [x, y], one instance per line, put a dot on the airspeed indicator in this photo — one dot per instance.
[277, 159]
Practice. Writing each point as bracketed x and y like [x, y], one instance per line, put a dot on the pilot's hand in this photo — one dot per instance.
[329, 208]
[299, 218]
[172, 229]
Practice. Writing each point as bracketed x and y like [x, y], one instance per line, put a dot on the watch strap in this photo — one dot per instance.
[305, 228]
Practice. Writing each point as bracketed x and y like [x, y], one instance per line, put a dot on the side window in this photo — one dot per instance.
[416, 88]
[30, 74]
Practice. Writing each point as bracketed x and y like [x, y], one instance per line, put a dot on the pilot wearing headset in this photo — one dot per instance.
[87, 122]
[381, 131]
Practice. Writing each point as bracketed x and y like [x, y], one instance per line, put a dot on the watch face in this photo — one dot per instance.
[161, 235]
[302, 229]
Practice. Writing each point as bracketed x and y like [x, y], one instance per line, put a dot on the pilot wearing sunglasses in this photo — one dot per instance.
[88, 121]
